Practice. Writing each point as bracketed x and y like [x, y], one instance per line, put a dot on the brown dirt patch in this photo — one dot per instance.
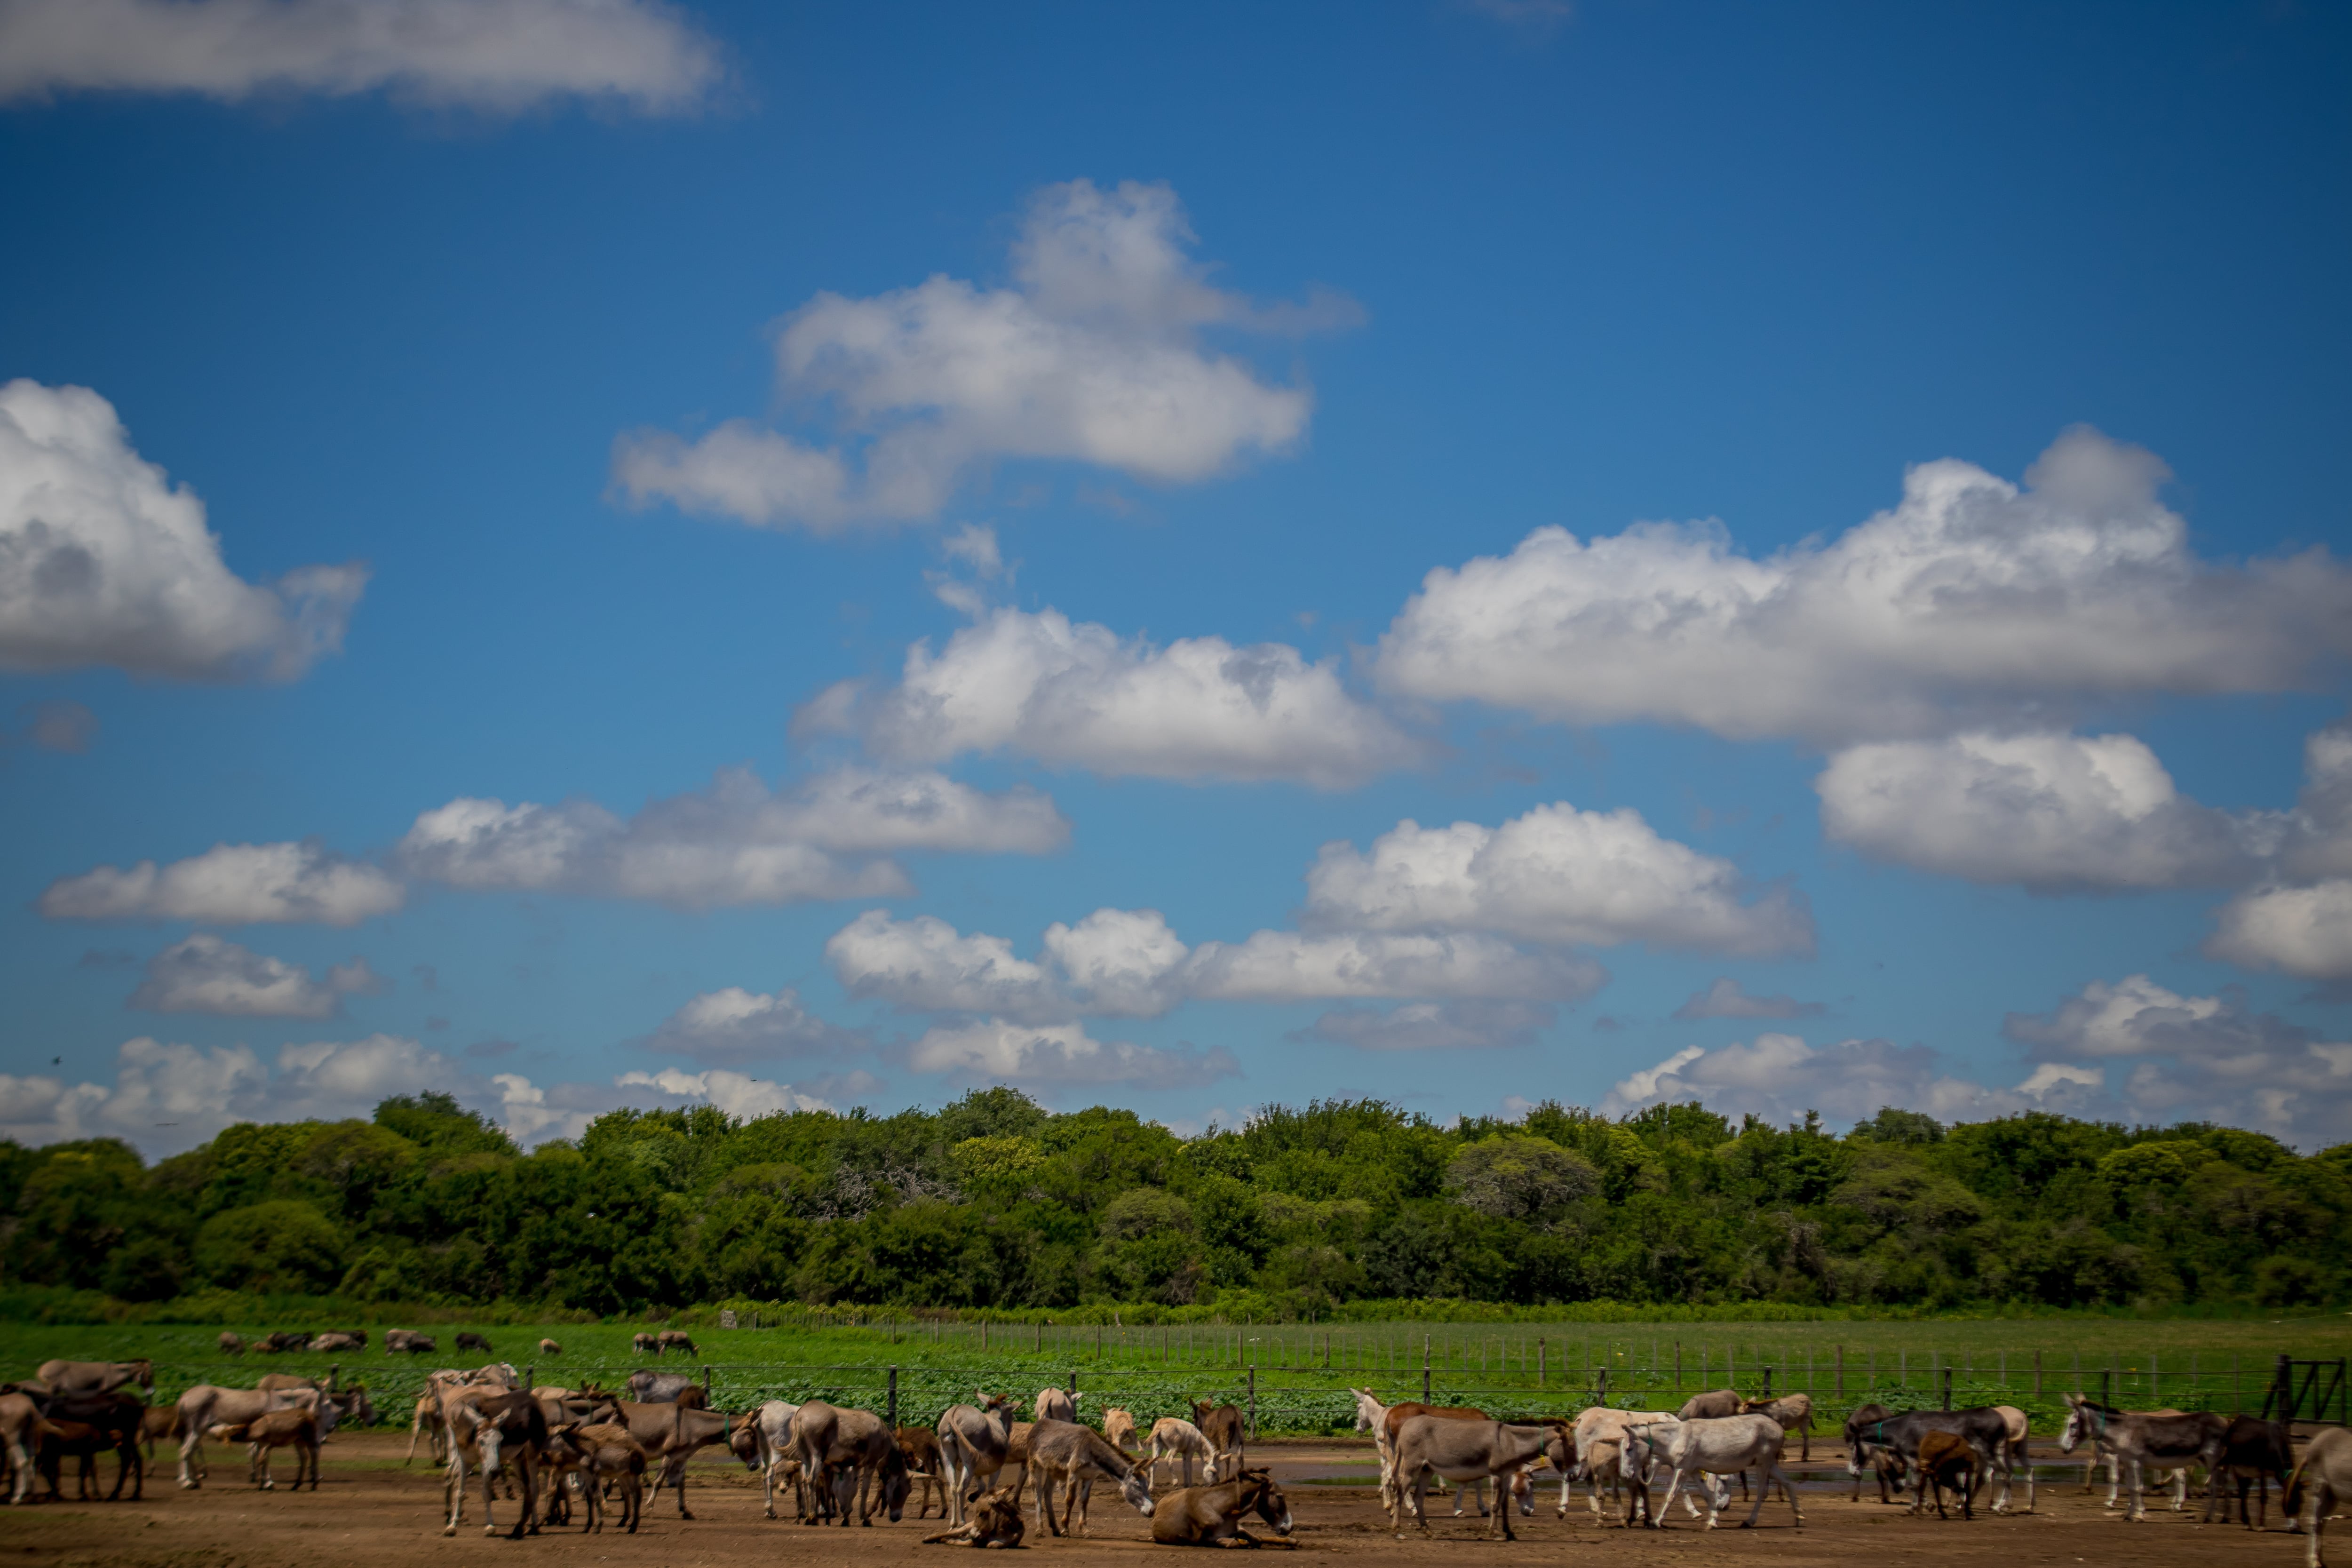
[375, 1513]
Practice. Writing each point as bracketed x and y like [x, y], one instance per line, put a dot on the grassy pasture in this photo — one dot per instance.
[1300, 1373]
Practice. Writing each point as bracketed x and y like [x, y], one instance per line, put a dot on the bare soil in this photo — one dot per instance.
[376, 1512]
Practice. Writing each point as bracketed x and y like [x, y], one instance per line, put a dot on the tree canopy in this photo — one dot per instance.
[993, 1201]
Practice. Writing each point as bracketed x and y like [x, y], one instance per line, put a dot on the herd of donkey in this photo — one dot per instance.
[557, 1449]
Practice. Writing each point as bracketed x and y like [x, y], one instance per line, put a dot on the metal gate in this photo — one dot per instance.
[2312, 1391]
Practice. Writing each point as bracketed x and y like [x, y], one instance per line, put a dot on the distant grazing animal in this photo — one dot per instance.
[1118, 1425]
[647, 1344]
[1946, 1462]
[1054, 1404]
[340, 1340]
[468, 1341]
[397, 1341]
[995, 1521]
[678, 1340]
[549, 1347]
[231, 1344]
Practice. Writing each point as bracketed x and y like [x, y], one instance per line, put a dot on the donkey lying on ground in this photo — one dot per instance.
[1210, 1516]
[995, 1521]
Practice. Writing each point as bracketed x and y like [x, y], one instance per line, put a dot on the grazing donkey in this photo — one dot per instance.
[1078, 1457]
[1466, 1451]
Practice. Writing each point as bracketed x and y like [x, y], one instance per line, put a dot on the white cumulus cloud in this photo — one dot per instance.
[744, 1097]
[2306, 932]
[2050, 811]
[925, 965]
[1078, 694]
[103, 562]
[734, 843]
[206, 974]
[1295, 966]
[497, 55]
[732, 1024]
[2209, 1059]
[231, 884]
[1049, 1055]
[1972, 601]
[1555, 874]
[1094, 355]
[1117, 962]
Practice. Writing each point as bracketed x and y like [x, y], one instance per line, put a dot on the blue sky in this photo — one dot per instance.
[988, 467]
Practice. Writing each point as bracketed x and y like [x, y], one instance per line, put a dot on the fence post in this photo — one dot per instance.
[894, 1400]
[1253, 1404]
[2107, 1385]
[1600, 1386]
[2284, 1380]
[1947, 1388]
[1539, 1361]
[1424, 1368]
[527, 1382]
[1074, 1385]
[1768, 1385]
[706, 1386]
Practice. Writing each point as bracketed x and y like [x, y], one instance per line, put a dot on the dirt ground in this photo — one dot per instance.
[374, 1512]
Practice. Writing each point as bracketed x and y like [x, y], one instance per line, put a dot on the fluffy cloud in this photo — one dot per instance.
[1434, 1025]
[1079, 696]
[2206, 1057]
[733, 1024]
[2054, 812]
[1051, 1056]
[231, 884]
[1972, 601]
[925, 965]
[208, 974]
[743, 1097]
[102, 563]
[2299, 931]
[1128, 962]
[166, 1098]
[1292, 966]
[498, 55]
[2319, 839]
[1093, 356]
[1780, 1078]
[1555, 875]
[1725, 999]
[735, 843]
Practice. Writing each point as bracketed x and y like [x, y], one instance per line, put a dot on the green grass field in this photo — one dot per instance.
[1300, 1374]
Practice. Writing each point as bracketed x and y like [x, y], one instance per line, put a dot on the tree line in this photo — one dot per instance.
[995, 1202]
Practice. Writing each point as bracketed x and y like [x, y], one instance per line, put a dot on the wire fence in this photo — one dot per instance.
[1303, 1385]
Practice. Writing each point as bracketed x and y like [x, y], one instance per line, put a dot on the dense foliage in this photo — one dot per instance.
[995, 1202]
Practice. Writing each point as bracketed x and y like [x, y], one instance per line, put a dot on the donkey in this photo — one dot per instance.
[2141, 1440]
[1210, 1516]
[1078, 1457]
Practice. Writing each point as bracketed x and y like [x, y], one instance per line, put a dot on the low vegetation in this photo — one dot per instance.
[1336, 1211]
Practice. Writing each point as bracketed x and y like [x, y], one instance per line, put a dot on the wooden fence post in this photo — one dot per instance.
[1424, 1368]
[1539, 1361]
[894, 1402]
[1253, 1404]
